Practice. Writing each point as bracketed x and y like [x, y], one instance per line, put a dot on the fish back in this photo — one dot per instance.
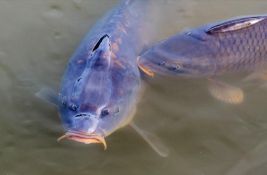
[239, 44]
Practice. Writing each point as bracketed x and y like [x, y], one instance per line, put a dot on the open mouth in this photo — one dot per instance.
[146, 70]
[84, 138]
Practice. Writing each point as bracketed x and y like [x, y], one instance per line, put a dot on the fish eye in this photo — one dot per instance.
[105, 112]
[178, 66]
[109, 111]
[175, 67]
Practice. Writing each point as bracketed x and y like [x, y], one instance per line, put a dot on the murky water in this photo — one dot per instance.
[205, 137]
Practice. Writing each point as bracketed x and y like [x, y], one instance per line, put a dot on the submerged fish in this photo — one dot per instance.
[233, 45]
[102, 82]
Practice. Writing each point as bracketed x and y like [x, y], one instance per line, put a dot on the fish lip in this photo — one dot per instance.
[83, 138]
[145, 69]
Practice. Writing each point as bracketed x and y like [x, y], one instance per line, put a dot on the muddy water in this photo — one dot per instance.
[205, 137]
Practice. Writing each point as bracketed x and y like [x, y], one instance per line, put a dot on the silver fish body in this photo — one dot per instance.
[233, 45]
[101, 84]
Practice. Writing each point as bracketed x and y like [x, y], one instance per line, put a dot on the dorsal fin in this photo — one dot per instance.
[100, 57]
[99, 41]
[235, 24]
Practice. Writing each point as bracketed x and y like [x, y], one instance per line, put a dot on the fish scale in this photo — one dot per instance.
[233, 45]
[238, 44]
[101, 84]
[241, 49]
[235, 57]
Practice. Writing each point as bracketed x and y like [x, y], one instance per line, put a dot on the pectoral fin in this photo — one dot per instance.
[225, 92]
[152, 140]
[258, 76]
[48, 95]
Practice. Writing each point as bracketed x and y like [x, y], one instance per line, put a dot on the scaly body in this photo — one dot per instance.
[234, 45]
[101, 84]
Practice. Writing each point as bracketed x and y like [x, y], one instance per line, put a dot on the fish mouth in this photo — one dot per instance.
[143, 68]
[84, 138]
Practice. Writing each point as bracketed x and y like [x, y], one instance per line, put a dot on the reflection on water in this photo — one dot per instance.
[205, 137]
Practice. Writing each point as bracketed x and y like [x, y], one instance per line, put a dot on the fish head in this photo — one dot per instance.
[185, 54]
[94, 104]
[86, 123]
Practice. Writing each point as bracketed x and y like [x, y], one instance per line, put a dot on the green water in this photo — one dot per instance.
[205, 137]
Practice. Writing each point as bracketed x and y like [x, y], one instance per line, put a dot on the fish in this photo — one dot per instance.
[102, 83]
[234, 45]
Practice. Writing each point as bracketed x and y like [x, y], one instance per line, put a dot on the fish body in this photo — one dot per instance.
[233, 45]
[101, 85]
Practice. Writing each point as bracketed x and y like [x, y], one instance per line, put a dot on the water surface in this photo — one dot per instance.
[205, 137]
